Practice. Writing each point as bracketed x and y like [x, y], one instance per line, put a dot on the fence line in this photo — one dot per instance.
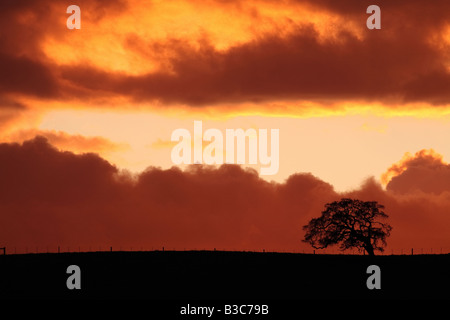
[327, 251]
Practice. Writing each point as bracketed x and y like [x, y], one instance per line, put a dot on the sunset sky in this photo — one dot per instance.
[86, 118]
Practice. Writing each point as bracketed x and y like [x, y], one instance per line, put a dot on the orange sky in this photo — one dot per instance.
[351, 104]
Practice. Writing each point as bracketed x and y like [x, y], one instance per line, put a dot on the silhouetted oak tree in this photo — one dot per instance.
[352, 223]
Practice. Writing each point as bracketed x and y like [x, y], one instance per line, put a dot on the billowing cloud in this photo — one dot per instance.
[292, 51]
[425, 172]
[25, 24]
[50, 198]
[75, 143]
[378, 67]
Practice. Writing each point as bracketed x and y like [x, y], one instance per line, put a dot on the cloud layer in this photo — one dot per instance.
[423, 172]
[50, 197]
[404, 62]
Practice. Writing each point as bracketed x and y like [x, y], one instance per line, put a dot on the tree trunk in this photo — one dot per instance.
[369, 249]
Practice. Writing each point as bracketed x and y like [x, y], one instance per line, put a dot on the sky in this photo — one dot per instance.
[87, 115]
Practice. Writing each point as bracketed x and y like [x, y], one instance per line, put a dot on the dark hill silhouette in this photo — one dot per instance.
[222, 275]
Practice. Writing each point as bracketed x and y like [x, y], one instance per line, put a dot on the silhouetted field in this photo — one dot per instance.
[204, 275]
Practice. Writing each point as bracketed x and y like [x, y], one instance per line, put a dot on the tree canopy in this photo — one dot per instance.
[352, 223]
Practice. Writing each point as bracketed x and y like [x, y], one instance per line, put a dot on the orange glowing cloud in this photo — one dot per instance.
[395, 169]
[75, 143]
[143, 38]
[224, 54]
[425, 171]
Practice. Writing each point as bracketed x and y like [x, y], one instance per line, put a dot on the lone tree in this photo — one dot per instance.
[352, 223]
